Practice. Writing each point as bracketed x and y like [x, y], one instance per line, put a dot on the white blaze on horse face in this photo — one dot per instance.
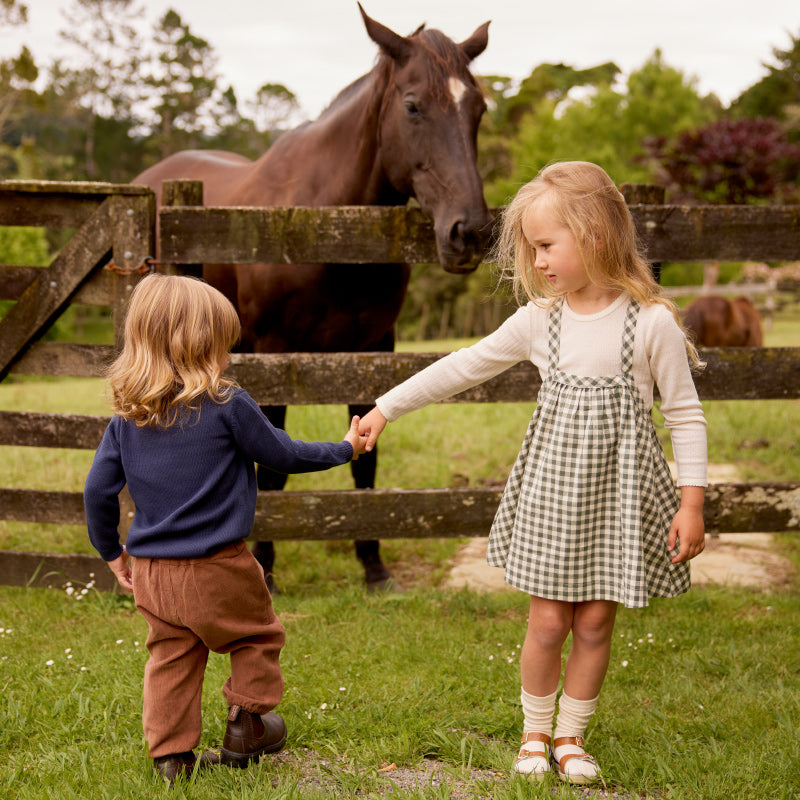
[457, 89]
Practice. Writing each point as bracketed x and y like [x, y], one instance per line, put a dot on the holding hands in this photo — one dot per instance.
[356, 440]
[371, 426]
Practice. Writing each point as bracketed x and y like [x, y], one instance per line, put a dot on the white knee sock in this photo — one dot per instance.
[538, 712]
[573, 717]
[534, 758]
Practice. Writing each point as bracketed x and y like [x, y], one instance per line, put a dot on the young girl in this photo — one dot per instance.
[589, 517]
[184, 440]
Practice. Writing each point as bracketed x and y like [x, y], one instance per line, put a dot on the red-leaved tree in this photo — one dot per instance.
[729, 161]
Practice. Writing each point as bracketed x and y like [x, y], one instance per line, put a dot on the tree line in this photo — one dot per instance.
[121, 100]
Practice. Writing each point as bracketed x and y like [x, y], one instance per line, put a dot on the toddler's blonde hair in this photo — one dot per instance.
[583, 198]
[178, 332]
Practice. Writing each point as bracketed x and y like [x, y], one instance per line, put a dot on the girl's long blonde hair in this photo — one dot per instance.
[583, 198]
[178, 332]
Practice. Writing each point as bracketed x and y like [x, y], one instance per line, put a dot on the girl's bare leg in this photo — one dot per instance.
[549, 623]
[592, 628]
[540, 666]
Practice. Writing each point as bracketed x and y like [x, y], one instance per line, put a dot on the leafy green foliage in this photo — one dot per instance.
[778, 93]
[604, 124]
[24, 246]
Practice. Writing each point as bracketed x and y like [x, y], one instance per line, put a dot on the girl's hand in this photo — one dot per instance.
[688, 526]
[372, 425]
[356, 440]
[122, 569]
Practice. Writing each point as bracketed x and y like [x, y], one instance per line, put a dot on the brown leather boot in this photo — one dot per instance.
[181, 765]
[249, 735]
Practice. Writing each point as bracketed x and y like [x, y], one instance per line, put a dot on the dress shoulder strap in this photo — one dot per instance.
[554, 334]
[628, 335]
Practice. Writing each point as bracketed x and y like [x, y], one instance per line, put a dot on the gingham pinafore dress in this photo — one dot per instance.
[587, 508]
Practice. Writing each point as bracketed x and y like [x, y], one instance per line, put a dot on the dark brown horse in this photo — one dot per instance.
[408, 128]
[715, 321]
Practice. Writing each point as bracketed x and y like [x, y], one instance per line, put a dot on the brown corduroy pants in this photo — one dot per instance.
[192, 606]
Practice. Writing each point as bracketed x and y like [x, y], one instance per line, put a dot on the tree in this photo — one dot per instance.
[12, 12]
[730, 161]
[777, 95]
[508, 106]
[103, 80]
[183, 79]
[607, 125]
[273, 107]
[18, 73]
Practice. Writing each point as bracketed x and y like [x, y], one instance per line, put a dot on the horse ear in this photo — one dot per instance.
[390, 42]
[476, 43]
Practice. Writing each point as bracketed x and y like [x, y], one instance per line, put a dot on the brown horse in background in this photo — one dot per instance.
[715, 321]
[408, 128]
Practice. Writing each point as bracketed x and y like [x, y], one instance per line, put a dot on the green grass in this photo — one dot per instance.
[702, 698]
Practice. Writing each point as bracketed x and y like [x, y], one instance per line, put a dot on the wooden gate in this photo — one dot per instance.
[117, 224]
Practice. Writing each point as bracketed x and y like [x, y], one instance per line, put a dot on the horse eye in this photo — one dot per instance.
[412, 109]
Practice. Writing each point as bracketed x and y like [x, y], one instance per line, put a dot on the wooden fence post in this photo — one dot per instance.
[647, 195]
[182, 193]
[133, 229]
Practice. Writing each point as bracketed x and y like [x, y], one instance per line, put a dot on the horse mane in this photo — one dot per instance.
[445, 59]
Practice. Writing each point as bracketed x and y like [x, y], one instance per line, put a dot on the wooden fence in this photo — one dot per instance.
[117, 224]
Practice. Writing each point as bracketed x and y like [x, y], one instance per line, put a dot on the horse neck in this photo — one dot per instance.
[334, 160]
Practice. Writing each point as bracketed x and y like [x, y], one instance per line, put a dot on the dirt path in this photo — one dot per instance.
[736, 559]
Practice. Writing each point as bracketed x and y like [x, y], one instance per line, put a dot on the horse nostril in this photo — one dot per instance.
[457, 235]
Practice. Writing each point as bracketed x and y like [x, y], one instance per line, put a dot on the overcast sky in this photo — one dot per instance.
[316, 47]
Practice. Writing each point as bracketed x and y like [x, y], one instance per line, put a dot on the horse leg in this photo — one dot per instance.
[267, 480]
[368, 551]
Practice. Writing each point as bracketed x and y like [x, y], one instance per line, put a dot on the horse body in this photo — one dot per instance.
[716, 321]
[408, 128]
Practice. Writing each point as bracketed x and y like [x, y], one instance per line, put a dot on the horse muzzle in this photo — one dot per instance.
[463, 245]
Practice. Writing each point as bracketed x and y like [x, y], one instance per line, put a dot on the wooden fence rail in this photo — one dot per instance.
[118, 223]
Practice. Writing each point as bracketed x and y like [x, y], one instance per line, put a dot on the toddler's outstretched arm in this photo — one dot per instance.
[688, 525]
[372, 425]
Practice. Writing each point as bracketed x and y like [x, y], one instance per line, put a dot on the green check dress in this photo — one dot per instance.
[588, 505]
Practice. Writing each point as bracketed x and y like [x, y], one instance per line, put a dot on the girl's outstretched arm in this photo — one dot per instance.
[688, 525]
[371, 425]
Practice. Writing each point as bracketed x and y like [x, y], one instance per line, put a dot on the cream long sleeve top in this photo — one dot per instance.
[591, 345]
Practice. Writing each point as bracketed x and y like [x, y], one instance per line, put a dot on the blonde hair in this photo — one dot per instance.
[583, 198]
[178, 331]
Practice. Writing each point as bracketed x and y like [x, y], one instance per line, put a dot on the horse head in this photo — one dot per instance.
[428, 131]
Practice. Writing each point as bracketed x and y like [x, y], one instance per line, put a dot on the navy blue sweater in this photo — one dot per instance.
[193, 484]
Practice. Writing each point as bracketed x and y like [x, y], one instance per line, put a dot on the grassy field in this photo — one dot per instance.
[417, 691]
[702, 699]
